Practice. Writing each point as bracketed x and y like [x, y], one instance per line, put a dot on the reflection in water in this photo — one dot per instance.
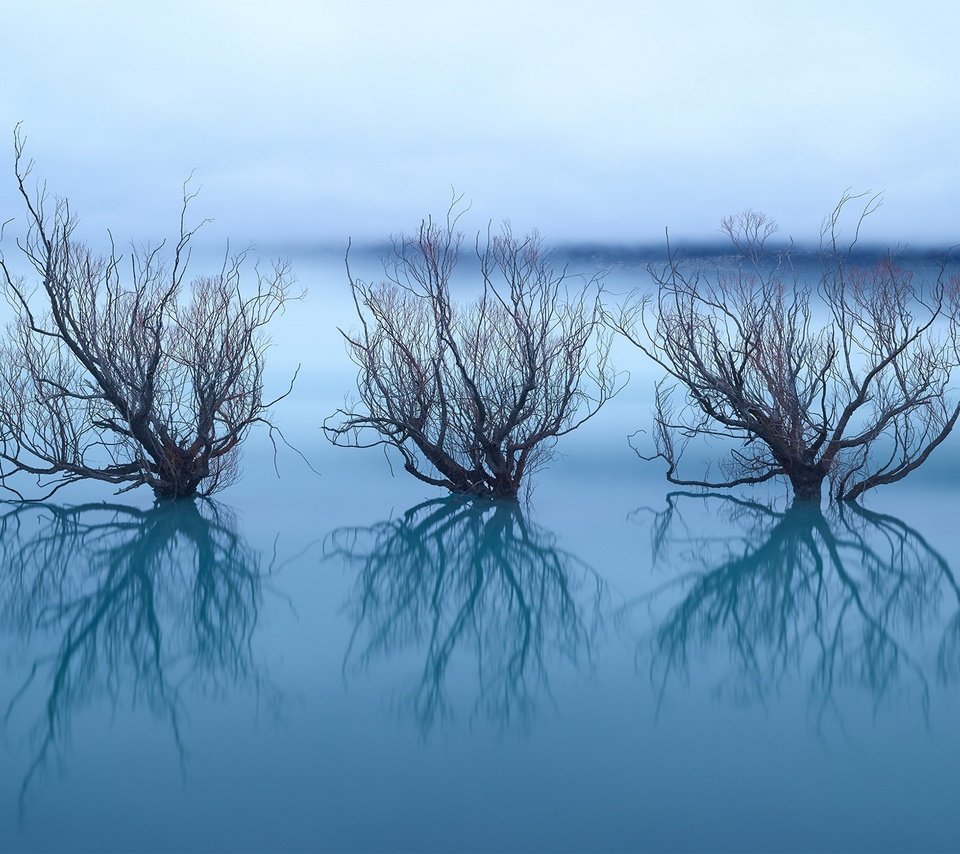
[845, 600]
[128, 604]
[473, 579]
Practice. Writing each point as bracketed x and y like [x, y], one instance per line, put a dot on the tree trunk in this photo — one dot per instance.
[807, 483]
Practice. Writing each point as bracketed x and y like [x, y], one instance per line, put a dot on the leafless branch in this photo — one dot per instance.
[116, 370]
[848, 381]
[473, 397]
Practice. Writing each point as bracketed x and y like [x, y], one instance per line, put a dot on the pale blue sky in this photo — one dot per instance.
[596, 121]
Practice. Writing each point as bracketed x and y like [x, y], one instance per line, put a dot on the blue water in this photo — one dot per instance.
[353, 661]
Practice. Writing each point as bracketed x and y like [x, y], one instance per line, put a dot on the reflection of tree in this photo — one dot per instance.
[842, 600]
[473, 579]
[138, 602]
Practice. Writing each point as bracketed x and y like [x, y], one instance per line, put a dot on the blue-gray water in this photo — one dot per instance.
[353, 661]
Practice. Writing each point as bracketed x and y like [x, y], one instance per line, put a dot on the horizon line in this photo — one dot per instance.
[628, 251]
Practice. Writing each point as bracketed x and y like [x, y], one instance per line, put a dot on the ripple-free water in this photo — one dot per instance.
[352, 661]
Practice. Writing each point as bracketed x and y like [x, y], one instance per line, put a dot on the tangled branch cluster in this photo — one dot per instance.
[122, 371]
[848, 381]
[473, 397]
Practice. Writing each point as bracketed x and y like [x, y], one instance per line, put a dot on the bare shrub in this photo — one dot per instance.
[473, 397]
[848, 380]
[118, 371]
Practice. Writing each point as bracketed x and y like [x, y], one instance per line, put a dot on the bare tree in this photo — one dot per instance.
[848, 380]
[117, 370]
[473, 397]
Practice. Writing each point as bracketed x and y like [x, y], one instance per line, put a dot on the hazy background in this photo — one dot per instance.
[597, 122]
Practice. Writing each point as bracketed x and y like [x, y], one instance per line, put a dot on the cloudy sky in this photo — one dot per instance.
[595, 121]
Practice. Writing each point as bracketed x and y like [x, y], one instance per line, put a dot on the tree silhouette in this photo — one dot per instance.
[842, 599]
[473, 397]
[475, 580]
[117, 370]
[850, 381]
[132, 602]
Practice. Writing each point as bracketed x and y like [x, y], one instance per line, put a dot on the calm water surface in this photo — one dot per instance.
[352, 661]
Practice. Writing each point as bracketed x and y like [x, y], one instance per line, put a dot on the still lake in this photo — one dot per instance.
[354, 661]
